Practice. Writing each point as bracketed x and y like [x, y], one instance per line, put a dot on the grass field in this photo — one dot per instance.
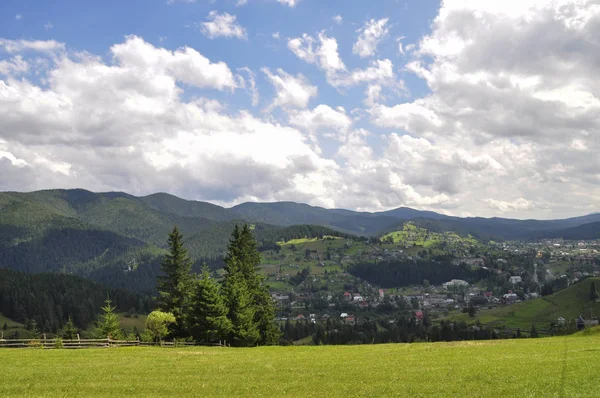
[550, 367]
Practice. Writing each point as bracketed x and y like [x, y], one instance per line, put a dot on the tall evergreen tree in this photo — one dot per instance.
[175, 286]
[70, 331]
[593, 292]
[251, 309]
[208, 320]
[108, 324]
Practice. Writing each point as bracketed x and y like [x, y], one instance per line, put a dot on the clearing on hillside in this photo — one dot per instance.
[549, 367]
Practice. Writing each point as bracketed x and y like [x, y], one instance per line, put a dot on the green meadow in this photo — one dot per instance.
[549, 367]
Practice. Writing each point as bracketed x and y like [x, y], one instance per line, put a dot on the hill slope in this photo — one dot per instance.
[568, 303]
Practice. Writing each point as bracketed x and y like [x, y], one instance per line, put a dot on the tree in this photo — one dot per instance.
[5, 327]
[593, 292]
[33, 329]
[534, 332]
[157, 325]
[174, 288]
[472, 311]
[108, 324]
[250, 307]
[208, 320]
[69, 331]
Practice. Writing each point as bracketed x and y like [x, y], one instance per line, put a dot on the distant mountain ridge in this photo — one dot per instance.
[110, 210]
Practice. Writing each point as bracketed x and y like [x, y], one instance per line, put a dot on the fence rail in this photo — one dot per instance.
[94, 343]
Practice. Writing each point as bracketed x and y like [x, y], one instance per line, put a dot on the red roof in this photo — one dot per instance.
[419, 314]
[346, 293]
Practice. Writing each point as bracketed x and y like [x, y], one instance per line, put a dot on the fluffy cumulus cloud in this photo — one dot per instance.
[369, 37]
[515, 81]
[222, 25]
[291, 91]
[508, 125]
[125, 125]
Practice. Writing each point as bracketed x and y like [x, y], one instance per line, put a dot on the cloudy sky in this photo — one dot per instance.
[466, 107]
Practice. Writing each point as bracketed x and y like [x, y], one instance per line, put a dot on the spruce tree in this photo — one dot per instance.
[593, 293]
[208, 320]
[250, 307]
[108, 324]
[70, 331]
[174, 287]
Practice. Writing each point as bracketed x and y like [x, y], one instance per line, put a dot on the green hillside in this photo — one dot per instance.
[568, 303]
[549, 367]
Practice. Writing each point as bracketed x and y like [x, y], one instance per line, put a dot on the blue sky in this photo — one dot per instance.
[451, 106]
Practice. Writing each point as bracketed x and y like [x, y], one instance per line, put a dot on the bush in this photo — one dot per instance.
[58, 343]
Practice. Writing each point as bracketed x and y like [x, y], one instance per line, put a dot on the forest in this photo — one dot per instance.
[410, 272]
[50, 299]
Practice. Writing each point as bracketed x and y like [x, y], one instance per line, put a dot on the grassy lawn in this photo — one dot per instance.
[550, 367]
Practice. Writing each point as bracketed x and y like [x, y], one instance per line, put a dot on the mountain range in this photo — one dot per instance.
[107, 236]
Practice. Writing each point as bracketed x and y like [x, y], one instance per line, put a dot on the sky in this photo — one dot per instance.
[464, 107]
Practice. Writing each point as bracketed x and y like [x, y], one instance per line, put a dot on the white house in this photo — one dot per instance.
[455, 283]
[515, 279]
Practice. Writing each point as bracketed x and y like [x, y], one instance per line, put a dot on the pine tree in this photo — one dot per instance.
[33, 329]
[70, 331]
[174, 287]
[250, 307]
[208, 320]
[108, 324]
[593, 292]
[534, 332]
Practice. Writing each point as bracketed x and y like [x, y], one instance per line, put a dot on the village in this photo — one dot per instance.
[317, 286]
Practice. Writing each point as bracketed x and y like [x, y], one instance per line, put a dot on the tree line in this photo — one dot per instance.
[49, 300]
[410, 272]
[239, 309]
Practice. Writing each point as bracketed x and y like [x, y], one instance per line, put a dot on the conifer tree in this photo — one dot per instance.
[208, 320]
[174, 287]
[108, 324]
[70, 331]
[250, 307]
[593, 293]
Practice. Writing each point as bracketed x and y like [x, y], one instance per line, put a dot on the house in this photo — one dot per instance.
[510, 297]
[561, 320]
[419, 315]
[343, 315]
[515, 279]
[357, 297]
[381, 293]
[347, 295]
[300, 317]
[350, 319]
[455, 283]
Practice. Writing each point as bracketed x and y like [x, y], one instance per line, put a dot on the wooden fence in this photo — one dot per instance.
[93, 343]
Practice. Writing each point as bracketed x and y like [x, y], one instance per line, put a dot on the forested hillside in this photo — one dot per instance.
[50, 299]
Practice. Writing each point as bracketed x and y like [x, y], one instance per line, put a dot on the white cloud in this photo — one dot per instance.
[519, 204]
[48, 26]
[222, 25]
[292, 91]
[15, 65]
[289, 3]
[252, 82]
[17, 46]
[276, 36]
[338, 19]
[369, 37]
[186, 65]
[335, 122]
[18, 17]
